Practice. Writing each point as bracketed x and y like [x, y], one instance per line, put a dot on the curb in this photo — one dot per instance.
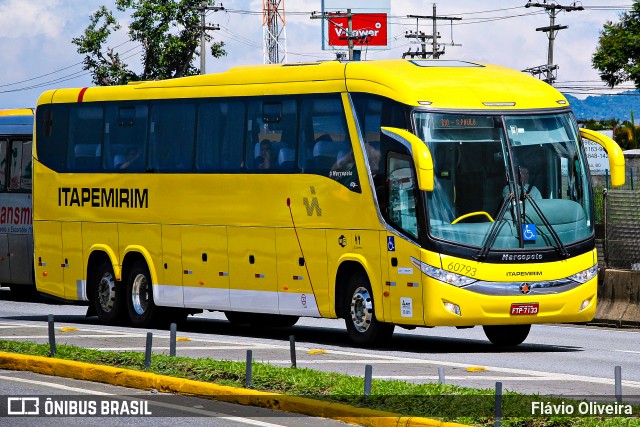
[163, 383]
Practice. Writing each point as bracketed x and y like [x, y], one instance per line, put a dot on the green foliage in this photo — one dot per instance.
[167, 30]
[617, 57]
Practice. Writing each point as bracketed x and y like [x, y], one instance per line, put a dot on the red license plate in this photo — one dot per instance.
[524, 309]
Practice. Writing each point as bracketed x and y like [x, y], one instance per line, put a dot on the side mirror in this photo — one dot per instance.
[419, 152]
[616, 158]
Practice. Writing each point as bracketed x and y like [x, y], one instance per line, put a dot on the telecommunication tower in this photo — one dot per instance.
[273, 31]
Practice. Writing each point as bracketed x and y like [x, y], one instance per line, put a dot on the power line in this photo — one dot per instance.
[419, 35]
[552, 10]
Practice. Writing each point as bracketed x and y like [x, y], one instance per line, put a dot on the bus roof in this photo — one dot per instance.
[437, 84]
[18, 121]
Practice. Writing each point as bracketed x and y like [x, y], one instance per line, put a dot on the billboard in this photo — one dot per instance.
[369, 29]
[369, 23]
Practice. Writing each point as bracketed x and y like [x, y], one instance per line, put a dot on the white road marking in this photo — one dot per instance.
[378, 359]
[180, 348]
[61, 335]
[553, 376]
[152, 402]
[458, 377]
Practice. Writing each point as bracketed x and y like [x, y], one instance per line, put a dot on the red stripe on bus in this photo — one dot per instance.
[81, 94]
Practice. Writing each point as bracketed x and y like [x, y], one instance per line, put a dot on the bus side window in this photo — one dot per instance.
[20, 168]
[172, 136]
[325, 146]
[402, 193]
[53, 135]
[4, 160]
[125, 130]
[86, 132]
[271, 135]
[220, 136]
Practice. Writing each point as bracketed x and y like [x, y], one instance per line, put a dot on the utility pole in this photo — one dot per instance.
[350, 37]
[203, 8]
[552, 10]
[435, 52]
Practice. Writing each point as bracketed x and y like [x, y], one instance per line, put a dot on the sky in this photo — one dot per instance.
[36, 53]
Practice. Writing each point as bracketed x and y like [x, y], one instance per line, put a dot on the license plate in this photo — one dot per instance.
[524, 309]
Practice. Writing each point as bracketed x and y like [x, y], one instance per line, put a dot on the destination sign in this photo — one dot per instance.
[451, 121]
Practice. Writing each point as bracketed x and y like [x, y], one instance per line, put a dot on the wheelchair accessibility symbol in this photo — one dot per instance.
[391, 244]
[529, 232]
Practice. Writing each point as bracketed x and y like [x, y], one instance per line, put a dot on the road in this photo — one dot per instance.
[566, 360]
[122, 406]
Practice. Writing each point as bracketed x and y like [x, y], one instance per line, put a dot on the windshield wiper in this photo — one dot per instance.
[559, 245]
[496, 226]
[524, 196]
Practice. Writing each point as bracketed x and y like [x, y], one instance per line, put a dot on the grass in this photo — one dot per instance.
[433, 400]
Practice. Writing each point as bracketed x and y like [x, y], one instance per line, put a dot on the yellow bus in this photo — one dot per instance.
[16, 231]
[395, 192]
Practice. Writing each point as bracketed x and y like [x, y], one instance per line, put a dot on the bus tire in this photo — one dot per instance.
[140, 306]
[506, 335]
[360, 318]
[108, 295]
[238, 317]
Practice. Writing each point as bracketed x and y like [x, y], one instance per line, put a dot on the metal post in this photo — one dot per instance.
[617, 372]
[552, 37]
[350, 34]
[52, 336]
[249, 370]
[292, 349]
[605, 246]
[203, 40]
[172, 339]
[367, 380]
[147, 352]
[434, 40]
[441, 375]
[497, 421]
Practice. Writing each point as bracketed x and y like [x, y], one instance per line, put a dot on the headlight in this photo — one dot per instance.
[442, 275]
[586, 275]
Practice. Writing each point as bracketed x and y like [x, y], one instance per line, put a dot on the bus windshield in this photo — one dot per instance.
[506, 182]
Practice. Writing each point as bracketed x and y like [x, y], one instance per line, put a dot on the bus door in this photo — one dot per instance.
[403, 282]
[205, 267]
[252, 269]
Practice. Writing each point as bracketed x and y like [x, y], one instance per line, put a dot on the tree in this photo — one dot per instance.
[167, 30]
[617, 56]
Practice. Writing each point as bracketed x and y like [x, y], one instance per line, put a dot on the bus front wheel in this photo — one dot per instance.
[362, 325]
[507, 335]
[108, 294]
[140, 305]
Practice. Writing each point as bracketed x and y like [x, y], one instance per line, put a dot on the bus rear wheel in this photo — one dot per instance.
[363, 327]
[507, 335]
[140, 306]
[107, 294]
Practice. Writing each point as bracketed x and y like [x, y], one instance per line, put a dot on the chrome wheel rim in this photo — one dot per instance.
[140, 294]
[361, 309]
[107, 292]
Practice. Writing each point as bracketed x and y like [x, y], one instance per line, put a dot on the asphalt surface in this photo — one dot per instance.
[24, 391]
[564, 360]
